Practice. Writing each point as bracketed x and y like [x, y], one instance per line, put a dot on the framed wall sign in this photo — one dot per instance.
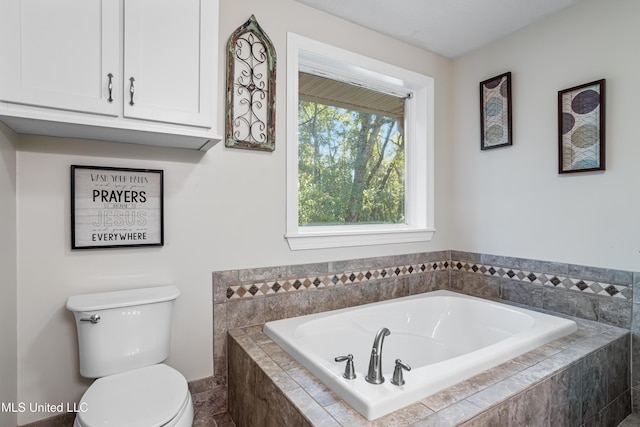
[581, 128]
[116, 207]
[495, 112]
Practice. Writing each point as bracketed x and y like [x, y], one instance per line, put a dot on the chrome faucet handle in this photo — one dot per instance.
[398, 378]
[349, 370]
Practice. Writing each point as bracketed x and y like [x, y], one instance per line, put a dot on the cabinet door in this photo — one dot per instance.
[169, 60]
[58, 54]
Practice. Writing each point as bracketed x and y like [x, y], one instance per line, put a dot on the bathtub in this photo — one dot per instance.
[445, 337]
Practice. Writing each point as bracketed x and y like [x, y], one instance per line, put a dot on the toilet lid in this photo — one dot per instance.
[149, 396]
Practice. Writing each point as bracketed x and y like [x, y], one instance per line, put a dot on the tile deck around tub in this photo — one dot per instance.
[470, 402]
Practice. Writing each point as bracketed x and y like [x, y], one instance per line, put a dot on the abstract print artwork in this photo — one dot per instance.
[581, 128]
[251, 81]
[495, 112]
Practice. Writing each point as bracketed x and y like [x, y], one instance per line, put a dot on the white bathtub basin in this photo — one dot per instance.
[444, 336]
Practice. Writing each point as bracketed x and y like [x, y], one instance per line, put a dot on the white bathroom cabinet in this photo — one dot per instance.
[140, 71]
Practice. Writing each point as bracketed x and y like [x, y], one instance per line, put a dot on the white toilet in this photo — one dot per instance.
[123, 337]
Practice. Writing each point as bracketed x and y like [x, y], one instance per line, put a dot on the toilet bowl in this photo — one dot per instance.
[123, 338]
[153, 396]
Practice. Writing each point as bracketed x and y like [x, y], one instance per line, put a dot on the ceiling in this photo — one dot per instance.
[446, 27]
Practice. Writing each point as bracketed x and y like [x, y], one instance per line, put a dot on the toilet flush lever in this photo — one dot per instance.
[94, 318]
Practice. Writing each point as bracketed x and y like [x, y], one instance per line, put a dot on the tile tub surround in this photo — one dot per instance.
[316, 292]
[578, 380]
[599, 294]
[605, 295]
[250, 297]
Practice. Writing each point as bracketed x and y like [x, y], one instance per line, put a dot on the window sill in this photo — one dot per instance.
[321, 238]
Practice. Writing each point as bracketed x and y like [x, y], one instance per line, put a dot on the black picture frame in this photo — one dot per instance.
[581, 128]
[496, 128]
[115, 207]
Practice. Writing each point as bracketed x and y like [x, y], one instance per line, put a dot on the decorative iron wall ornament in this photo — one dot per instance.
[251, 86]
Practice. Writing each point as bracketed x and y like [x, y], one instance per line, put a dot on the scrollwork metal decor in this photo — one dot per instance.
[251, 82]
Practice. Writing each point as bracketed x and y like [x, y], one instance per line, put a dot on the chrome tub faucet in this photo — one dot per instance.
[374, 375]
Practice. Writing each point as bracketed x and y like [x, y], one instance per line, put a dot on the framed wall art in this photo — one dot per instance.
[116, 207]
[495, 112]
[581, 128]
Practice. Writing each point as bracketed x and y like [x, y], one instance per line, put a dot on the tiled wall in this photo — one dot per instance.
[254, 296]
[603, 295]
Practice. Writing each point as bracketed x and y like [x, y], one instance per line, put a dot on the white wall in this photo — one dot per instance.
[49, 272]
[512, 201]
[224, 209]
[8, 272]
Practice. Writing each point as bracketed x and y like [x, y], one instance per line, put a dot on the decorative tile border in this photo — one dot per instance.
[546, 279]
[295, 284]
[241, 291]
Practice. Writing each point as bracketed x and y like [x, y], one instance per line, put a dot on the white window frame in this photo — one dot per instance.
[304, 54]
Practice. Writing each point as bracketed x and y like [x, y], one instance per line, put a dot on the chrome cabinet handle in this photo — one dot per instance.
[110, 87]
[94, 318]
[131, 90]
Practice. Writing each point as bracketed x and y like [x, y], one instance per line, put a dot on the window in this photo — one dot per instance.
[350, 154]
[359, 149]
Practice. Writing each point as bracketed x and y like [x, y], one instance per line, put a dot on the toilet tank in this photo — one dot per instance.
[133, 329]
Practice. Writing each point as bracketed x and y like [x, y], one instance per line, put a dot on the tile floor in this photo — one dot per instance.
[632, 420]
[224, 420]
